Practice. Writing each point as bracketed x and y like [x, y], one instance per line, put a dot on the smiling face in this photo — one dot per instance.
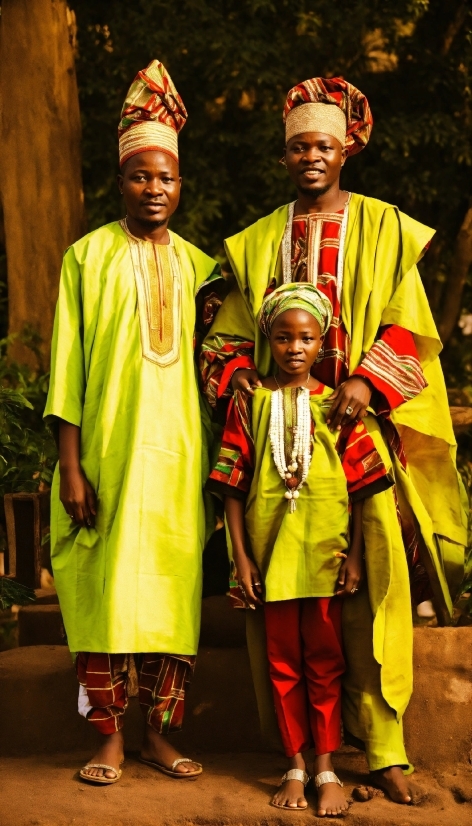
[150, 185]
[295, 340]
[314, 162]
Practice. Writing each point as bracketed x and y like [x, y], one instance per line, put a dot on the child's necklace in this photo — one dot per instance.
[290, 436]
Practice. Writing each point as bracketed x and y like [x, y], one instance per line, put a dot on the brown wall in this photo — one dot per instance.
[40, 165]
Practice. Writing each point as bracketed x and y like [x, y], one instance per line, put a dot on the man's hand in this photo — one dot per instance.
[249, 578]
[78, 497]
[244, 380]
[350, 576]
[349, 402]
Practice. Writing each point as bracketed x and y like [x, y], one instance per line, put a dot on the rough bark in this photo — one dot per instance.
[40, 163]
[461, 418]
[457, 278]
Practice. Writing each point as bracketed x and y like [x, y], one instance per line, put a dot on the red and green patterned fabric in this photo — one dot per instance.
[337, 92]
[153, 96]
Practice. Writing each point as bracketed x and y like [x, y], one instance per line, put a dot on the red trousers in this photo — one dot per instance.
[162, 681]
[304, 647]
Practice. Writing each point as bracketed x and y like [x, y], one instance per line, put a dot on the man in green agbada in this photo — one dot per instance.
[380, 352]
[128, 518]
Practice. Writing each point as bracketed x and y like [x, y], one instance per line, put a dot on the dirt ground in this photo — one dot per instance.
[234, 789]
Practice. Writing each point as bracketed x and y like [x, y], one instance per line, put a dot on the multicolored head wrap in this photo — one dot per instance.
[295, 297]
[330, 105]
[152, 116]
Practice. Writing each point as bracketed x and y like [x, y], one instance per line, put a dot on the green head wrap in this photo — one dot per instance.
[295, 297]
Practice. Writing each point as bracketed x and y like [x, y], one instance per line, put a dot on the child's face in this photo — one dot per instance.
[295, 340]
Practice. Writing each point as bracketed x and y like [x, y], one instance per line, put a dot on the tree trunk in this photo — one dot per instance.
[40, 163]
[456, 280]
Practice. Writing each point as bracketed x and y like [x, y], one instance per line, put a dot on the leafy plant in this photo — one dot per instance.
[27, 449]
[12, 593]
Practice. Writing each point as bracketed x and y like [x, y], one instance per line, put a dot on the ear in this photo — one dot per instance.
[344, 156]
[119, 180]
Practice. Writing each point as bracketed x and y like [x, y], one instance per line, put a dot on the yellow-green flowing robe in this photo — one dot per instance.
[123, 371]
[381, 286]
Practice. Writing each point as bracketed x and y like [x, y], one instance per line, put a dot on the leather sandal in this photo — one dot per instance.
[105, 781]
[171, 772]
[293, 774]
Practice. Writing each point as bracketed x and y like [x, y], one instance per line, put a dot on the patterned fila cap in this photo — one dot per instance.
[152, 116]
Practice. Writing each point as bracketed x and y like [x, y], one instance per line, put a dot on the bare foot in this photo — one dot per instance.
[291, 794]
[111, 753]
[157, 749]
[331, 798]
[393, 781]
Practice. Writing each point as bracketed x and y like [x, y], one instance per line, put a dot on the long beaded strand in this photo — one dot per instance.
[295, 473]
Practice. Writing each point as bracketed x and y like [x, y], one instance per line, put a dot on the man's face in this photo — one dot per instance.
[150, 185]
[314, 162]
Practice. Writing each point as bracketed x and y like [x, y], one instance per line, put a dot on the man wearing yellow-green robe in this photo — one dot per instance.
[381, 352]
[128, 519]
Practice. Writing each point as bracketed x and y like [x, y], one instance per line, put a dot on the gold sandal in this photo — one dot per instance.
[105, 781]
[171, 772]
[293, 774]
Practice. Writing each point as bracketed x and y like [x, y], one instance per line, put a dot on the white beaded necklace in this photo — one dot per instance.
[295, 471]
[287, 248]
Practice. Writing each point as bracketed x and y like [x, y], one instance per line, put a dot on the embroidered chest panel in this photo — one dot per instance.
[315, 247]
[158, 285]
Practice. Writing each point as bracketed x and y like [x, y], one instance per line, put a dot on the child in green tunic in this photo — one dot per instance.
[289, 484]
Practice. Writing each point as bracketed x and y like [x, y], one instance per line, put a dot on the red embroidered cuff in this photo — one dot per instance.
[230, 368]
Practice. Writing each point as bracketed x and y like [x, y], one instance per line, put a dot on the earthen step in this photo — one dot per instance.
[38, 704]
[41, 623]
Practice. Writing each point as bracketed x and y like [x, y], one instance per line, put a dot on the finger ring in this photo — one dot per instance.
[257, 583]
[349, 410]
[353, 590]
[71, 516]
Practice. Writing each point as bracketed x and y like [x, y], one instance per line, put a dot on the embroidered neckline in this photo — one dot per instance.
[287, 246]
[124, 226]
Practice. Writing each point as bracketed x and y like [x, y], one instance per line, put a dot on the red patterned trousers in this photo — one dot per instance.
[162, 680]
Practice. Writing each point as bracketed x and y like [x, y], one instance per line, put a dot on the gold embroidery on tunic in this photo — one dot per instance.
[158, 285]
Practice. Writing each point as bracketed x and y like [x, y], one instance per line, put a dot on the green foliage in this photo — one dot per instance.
[233, 61]
[27, 449]
[12, 593]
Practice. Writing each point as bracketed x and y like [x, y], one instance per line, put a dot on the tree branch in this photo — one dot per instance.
[454, 27]
[456, 280]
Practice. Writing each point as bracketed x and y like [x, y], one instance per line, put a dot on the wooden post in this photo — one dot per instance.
[40, 164]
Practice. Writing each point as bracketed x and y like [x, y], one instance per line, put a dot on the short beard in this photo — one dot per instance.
[151, 224]
[314, 194]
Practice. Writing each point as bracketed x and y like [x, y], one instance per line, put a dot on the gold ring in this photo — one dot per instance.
[353, 590]
[349, 410]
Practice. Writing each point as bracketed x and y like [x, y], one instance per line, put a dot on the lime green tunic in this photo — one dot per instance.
[123, 371]
[295, 551]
